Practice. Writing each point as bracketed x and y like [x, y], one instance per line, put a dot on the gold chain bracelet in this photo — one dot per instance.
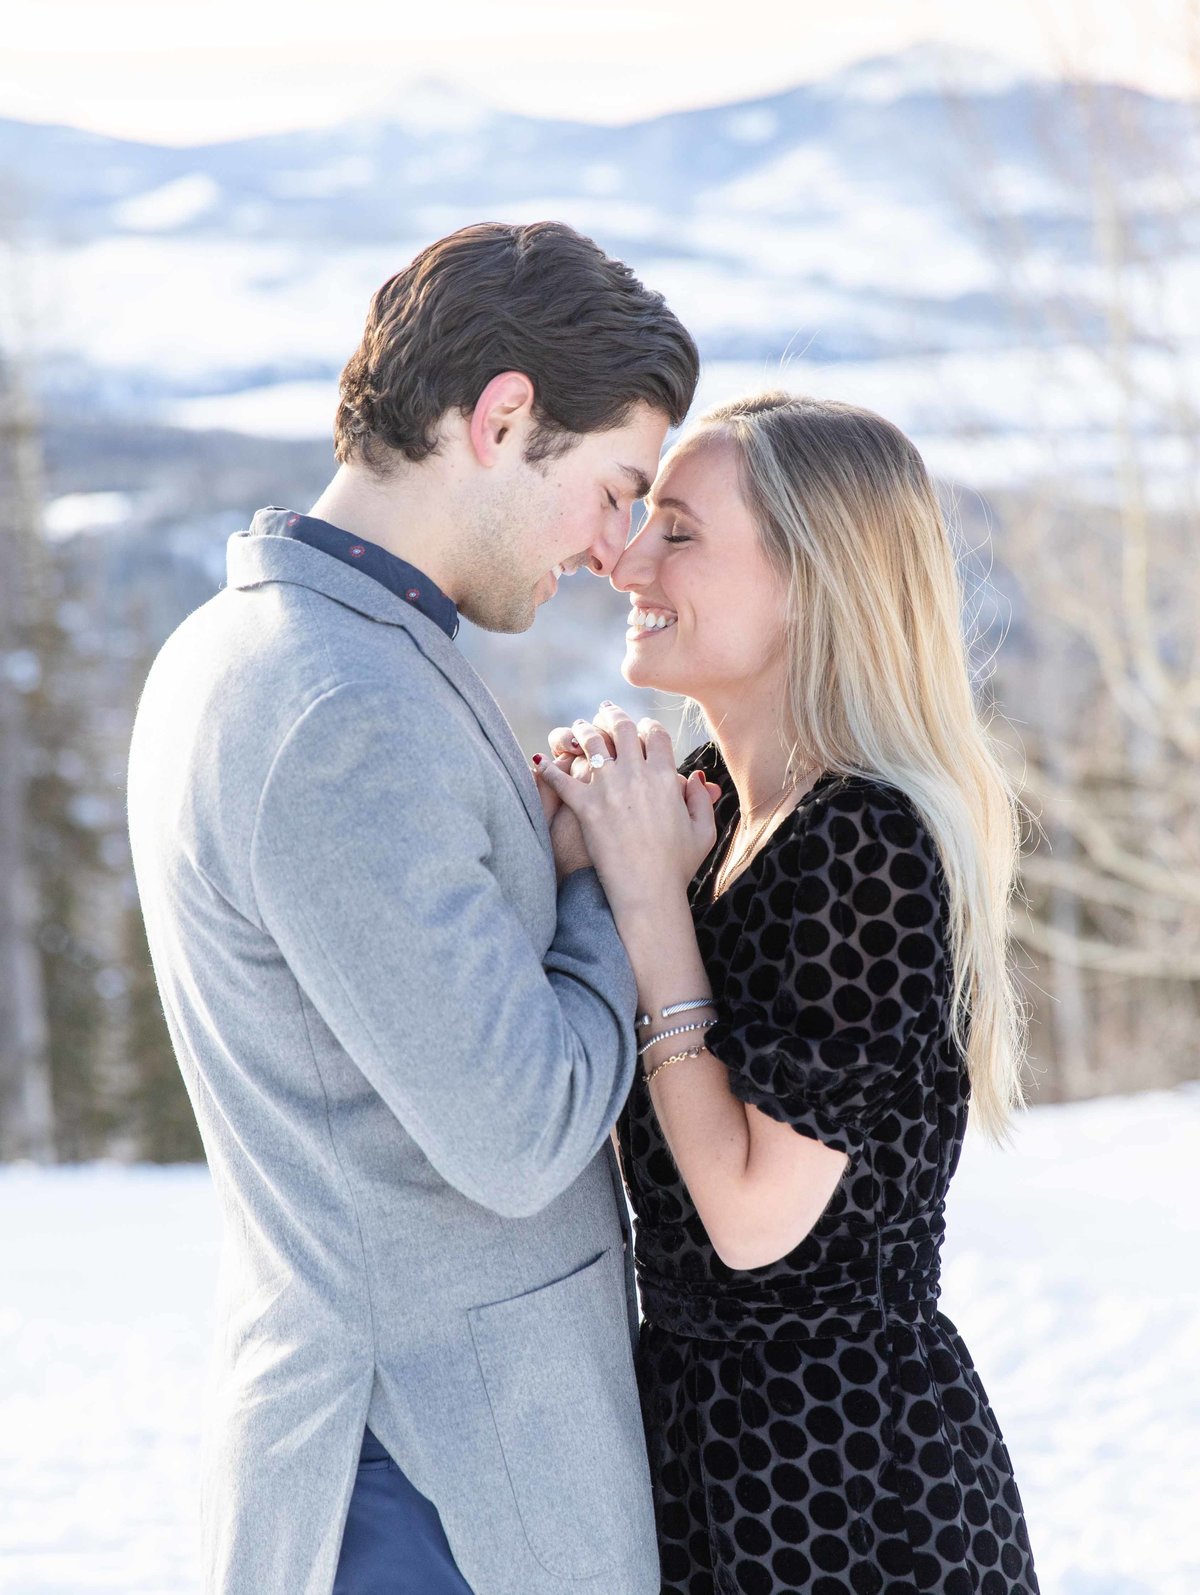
[676, 1057]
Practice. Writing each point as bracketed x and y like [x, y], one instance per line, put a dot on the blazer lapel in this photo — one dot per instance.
[254, 558]
[469, 685]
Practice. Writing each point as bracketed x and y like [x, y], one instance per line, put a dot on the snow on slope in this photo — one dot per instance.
[1071, 1270]
[183, 200]
[932, 68]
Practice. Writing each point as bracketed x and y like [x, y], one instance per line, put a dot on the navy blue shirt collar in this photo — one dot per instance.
[396, 574]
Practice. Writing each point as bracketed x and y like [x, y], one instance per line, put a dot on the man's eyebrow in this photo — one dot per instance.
[641, 482]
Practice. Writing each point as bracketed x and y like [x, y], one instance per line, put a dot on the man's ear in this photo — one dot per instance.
[503, 414]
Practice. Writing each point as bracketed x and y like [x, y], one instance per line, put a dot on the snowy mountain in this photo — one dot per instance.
[918, 232]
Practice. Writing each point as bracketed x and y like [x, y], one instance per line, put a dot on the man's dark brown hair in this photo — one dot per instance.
[540, 299]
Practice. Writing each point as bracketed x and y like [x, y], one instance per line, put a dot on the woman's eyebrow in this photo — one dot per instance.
[674, 504]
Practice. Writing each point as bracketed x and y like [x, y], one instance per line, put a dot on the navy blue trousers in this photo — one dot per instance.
[394, 1542]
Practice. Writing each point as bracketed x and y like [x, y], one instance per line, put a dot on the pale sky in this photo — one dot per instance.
[184, 71]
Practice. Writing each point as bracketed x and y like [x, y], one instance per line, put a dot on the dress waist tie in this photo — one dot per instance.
[854, 1283]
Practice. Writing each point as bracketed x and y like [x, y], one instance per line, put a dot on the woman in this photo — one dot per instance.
[819, 1000]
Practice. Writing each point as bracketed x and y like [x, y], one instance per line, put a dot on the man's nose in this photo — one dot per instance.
[603, 555]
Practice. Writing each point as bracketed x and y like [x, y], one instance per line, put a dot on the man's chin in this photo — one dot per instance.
[515, 616]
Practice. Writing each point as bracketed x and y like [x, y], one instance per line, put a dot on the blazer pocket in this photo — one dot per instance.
[558, 1369]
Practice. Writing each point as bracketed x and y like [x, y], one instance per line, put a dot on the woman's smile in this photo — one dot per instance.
[646, 620]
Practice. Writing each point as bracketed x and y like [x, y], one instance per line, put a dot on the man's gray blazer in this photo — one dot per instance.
[405, 1052]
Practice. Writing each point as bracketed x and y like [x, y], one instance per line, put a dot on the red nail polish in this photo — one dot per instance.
[537, 758]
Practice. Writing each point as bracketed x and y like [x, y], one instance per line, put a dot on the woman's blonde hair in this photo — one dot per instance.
[879, 680]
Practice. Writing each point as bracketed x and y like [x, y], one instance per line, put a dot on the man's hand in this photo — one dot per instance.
[570, 849]
[566, 836]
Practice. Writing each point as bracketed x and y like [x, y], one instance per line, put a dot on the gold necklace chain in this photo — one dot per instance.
[726, 870]
[727, 866]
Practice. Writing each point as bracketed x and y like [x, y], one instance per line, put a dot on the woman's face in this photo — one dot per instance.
[707, 610]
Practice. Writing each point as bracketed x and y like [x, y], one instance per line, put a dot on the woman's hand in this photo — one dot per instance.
[566, 746]
[568, 754]
[551, 802]
[645, 838]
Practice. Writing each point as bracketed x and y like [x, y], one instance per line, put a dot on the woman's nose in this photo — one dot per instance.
[634, 568]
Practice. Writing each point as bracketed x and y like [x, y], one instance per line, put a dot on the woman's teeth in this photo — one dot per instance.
[649, 620]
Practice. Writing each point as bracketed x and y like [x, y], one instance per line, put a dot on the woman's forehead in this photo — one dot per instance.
[703, 452]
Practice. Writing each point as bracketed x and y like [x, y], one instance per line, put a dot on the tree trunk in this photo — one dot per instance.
[26, 1101]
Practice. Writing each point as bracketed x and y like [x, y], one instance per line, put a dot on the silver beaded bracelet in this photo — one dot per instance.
[677, 1030]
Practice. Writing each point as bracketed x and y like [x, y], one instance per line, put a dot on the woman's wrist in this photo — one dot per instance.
[654, 1032]
[650, 917]
[662, 1038]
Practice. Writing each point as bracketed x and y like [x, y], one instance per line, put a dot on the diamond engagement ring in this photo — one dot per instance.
[598, 759]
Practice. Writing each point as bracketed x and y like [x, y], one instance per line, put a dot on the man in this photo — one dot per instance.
[404, 1046]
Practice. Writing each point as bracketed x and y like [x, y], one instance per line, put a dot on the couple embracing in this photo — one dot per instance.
[439, 1007]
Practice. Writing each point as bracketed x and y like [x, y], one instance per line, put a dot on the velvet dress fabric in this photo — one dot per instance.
[816, 1425]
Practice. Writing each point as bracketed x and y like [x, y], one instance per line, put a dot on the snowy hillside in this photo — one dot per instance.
[1070, 1270]
[915, 232]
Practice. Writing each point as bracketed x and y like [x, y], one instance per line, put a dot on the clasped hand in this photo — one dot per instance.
[645, 827]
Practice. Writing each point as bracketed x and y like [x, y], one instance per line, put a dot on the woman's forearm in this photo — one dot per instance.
[704, 1124]
[661, 943]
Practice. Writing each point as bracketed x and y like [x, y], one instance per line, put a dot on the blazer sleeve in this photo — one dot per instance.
[370, 866]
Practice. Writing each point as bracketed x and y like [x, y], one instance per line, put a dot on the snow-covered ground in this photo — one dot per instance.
[1073, 1270]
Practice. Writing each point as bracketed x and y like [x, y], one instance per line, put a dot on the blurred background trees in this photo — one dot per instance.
[85, 1065]
[26, 1104]
[1102, 556]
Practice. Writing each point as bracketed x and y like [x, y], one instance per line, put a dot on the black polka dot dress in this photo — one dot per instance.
[817, 1424]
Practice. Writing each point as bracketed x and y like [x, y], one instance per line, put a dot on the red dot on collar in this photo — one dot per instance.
[413, 594]
[356, 551]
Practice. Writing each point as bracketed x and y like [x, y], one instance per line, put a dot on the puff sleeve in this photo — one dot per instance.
[824, 1025]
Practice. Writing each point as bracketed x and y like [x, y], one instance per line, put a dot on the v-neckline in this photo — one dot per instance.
[703, 879]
